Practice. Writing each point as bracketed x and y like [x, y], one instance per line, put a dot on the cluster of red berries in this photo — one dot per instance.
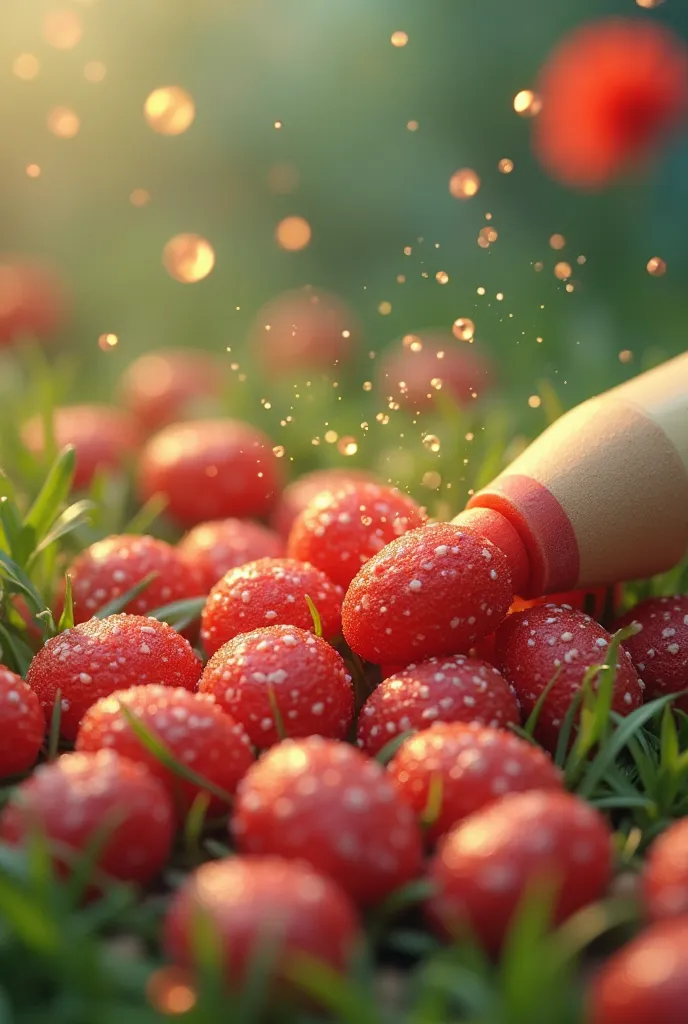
[269, 729]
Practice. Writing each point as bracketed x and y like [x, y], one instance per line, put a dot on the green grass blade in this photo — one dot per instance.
[331, 990]
[53, 494]
[67, 617]
[180, 614]
[193, 826]
[315, 615]
[55, 723]
[385, 755]
[146, 515]
[532, 720]
[15, 652]
[118, 604]
[72, 519]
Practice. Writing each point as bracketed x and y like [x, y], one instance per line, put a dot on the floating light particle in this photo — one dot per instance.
[106, 342]
[534, 401]
[26, 67]
[432, 480]
[382, 418]
[169, 110]
[488, 216]
[625, 356]
[539, 341]
[505, 166]
[62, 29]
[413, 126]
[470, 436]
[331, 436]
[499, 296]
[278, 125]
[385, 308]
[557, 241]
[537, 267]
[401, 279]
[95, 71]
[188, 258]
[412, 342]
[442, 276]
[463, 329]
[283, 178]
[399, 39]
[33, 171]
[527, 103]
[486, 236]
[481, 290]
[346, 334]
[431, 442]
[367, 385]
[570, 287]
[169, 991]
[424, 273]
[580, 260]
[139, 197]
[436, 383]
[656, 267]
[407, 250]
[293, 233]
[464, 184]
[63, 122]
[649, 4]
[563, 271]
[347, 445]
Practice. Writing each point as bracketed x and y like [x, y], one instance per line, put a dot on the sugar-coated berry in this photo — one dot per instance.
[110, 567]
[104, 438]
[103, 655]
[254, 902]
[535, 644]
[660, 650]
[327, 803]
[22, 724]
[281, 679]
[646, 981]
[301, 492]
[210, 469]
[169, 384]
[451, 689]
[487, 864]
[434, 591]
[665, 875]
[192, 727]
[269, 592]
[340, 530]
[470, 766]
[76, 798]
[214, 548]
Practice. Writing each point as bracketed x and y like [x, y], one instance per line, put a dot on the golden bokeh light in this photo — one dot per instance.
[63, 122]
[563, 271]
[95, 71]
[169, 991]
[649, 4]
[505, 166]
[412, 126]
[625, 355]
[527, 103]
[557, 241]
[399, 39]
[33, 171]
[412, 342]
[385, 308]
[293, 233]
[139, 197]
[347, 445]
[62, 29]
[656, 267]
[431, 442]
[464, 183]
[26, 66]
[534, 401]
[106, 342]
[188, 258]
[442, 276]
[169, 110]
[463, 329]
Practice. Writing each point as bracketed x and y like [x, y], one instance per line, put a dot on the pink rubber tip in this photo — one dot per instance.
[499, 530]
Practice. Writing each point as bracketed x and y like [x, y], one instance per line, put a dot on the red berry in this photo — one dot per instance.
[103, 655]
[414, 371]
[301, 492]
[327, 803]
[434, 591]
[535, 644]
[269, 592]
[32, 300]
[487, 864]
[210, 469]
[192, 727]
[110, 567]
[254, 901]
[593, 601]
[340, 530]
[166, 385]
[304, 329]
[103, 438]
[453, 689]
[665, 877]
[471, 766]
[286, 667]
[216, 547]
[645, 982]
[72, 799]
[22, 724]
[660, 650]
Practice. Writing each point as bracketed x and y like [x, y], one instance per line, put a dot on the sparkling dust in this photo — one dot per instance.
[63, 122]
[139, 197]
[106, 342]
[26, 67]
[385, 308]
[293, 233]
[505, 166]
[534, 401]
[563, 271]
[442, 276]
[464, 184]
[347, 445]
[527, 103]
[188, 258]
[399, 39]
[557, 241]
[656, 267]
[463, 329]
[62, 29]
[170, 110]
[431, 442]
[278, 451]
[412, 342]
[95, 71]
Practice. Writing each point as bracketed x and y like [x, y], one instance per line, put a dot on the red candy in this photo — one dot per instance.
[326, 803]
[660, 650]
[210, 469]
[286, 668]
[340, 530]
[535, 644]
[103, 655]
[665, 877]
[216, 547]
[452, 689]
[434, 591]
[486, 865]
[22, 724]
[192, 727]
[269, 592]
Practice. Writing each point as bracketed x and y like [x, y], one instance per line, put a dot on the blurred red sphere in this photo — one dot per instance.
[413, 370]
[166, 385]
[301, 492]
[32, 300]
[304, 329]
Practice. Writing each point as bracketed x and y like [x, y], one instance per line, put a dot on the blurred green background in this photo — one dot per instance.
[367, 185]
